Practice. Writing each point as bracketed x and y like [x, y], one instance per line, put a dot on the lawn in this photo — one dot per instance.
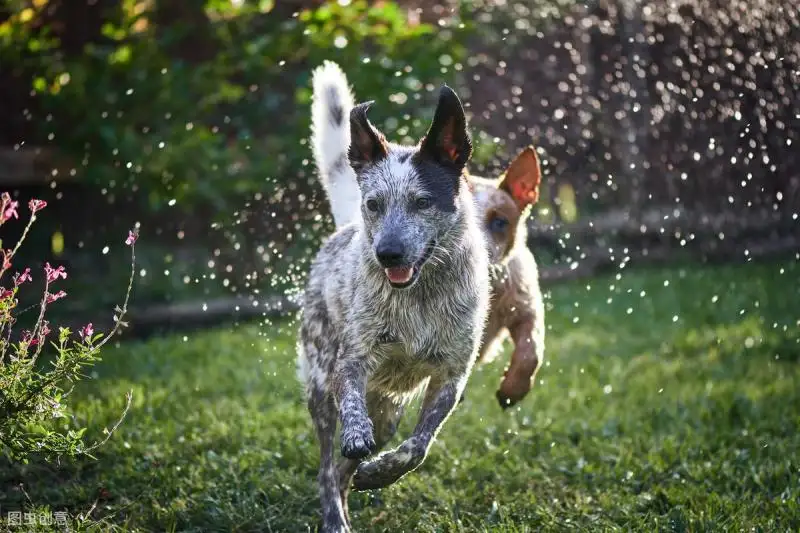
[669, 401]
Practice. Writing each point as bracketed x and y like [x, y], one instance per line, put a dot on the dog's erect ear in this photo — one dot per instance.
[367, 145]
[522, 178]
[448, 141]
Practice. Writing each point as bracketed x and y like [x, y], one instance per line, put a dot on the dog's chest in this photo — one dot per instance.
[422, 323]
[398, 371]
[406, 352]
[417, 341]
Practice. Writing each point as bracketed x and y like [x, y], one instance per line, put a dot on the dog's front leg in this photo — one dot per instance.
[350, 388]
[440, 400]
[525, 361]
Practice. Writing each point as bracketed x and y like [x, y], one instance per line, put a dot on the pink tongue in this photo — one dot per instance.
[399, 274]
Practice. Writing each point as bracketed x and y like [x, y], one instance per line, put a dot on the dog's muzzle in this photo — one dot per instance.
[402, 275]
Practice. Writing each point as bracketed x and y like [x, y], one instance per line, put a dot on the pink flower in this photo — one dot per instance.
[26, 337]
[86, 331]
[19, 279]
[35, 205]
[132, 236]
[10, 211]
[54, 273]
[57, 296]
[5, 293]
[6, 258]
[45, 329]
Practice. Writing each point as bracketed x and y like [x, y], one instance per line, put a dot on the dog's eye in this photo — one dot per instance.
[423, 203]
[497, 224]
[372, 205]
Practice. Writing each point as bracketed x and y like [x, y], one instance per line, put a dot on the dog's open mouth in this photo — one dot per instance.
[401, 277]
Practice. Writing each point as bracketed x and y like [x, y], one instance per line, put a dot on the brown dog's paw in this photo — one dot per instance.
[512, 391]
[504, 400]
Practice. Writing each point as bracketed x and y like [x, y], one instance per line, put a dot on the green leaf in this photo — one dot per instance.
[121, 55]
[39, 84]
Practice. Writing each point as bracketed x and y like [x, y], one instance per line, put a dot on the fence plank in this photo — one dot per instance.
[30, 166]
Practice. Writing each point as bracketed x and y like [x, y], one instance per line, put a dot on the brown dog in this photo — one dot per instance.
[517, 307]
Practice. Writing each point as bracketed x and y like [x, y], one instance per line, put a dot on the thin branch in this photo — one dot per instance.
[128, 398]
[118, 318]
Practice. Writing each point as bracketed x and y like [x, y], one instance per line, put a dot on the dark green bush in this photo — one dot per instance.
[138, 109]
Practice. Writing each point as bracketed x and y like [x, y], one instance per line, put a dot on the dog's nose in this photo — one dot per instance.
[390, 253]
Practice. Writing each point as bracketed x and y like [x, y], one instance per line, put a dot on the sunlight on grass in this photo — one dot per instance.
[679, 415]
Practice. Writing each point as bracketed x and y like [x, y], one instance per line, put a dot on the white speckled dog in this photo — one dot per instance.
[396, 301]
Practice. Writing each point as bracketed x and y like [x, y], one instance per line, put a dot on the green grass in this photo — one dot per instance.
[669, 401]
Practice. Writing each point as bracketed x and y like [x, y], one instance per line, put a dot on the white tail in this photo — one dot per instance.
[330, 141]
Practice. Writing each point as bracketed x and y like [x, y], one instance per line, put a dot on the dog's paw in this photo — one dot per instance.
[358, 442]
[389, 467]
[505, 400]
[379, 473]
[334, 519]
[367, 477]
[334, 528]
[512, 390]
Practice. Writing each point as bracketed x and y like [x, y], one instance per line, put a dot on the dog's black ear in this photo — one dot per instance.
[367, 145]
[448, 141]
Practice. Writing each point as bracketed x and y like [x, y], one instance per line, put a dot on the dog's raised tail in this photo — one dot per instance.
[330, 139]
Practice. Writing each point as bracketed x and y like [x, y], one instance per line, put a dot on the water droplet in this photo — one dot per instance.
[340, 41]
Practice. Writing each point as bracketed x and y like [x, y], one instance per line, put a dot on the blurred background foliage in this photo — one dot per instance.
[195, 115]
[208, 101]
[191, 117]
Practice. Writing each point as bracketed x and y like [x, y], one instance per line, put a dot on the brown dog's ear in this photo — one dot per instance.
[522, 178]
[367, 145]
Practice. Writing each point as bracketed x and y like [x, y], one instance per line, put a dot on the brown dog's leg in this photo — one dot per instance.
[525, 361]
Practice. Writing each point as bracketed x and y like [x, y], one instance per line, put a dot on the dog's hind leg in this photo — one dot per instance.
[323, 413]
[385, 413]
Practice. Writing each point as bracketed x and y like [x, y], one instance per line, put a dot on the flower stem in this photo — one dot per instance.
[8, 258]
[124, 308]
